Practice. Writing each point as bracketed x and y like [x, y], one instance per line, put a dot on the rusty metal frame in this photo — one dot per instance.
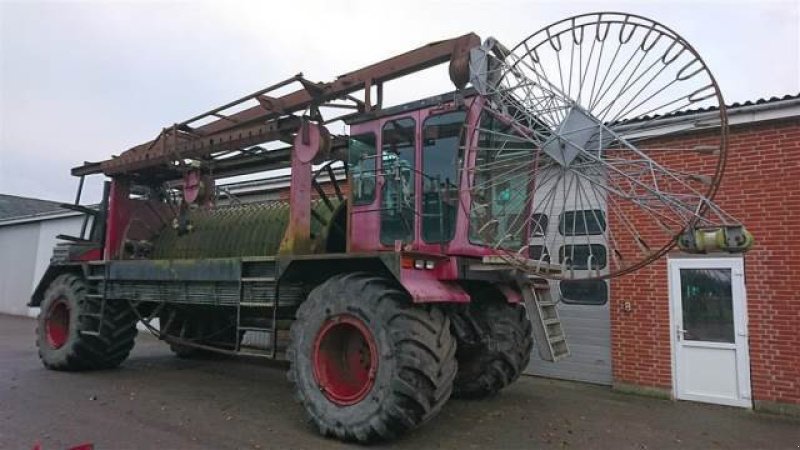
[274, 118]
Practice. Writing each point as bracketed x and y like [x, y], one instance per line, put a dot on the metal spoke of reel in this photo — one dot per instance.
[576, 161]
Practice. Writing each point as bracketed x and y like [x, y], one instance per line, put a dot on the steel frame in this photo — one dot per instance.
[276, 118]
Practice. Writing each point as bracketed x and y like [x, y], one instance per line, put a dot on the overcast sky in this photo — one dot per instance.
[84, 80]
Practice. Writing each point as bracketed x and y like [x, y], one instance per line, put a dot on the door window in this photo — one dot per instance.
[361, 159]
[397, 197]
[707, 305]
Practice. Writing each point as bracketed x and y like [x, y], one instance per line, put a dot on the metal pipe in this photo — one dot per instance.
[243, 99]
[80, 190]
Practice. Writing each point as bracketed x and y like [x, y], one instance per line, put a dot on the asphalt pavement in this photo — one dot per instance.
[155, 400]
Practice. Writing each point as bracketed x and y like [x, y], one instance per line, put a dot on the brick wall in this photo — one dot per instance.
[761, 187]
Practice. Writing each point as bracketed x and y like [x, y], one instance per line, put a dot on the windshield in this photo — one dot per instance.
[500, 185]
[440, 163]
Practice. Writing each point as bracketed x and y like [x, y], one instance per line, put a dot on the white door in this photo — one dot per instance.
[708, 311]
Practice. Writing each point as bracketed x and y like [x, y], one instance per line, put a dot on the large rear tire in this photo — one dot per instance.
[366, 363]
[498, 353]
[66, 312]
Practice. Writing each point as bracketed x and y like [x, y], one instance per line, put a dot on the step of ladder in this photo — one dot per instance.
[256, 304]
[548, 333]
[261, 329]
[256, 339]
[257, 279]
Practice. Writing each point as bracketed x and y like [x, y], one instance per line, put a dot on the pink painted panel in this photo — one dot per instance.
[424, 287]
[119, 214]
[511, 293]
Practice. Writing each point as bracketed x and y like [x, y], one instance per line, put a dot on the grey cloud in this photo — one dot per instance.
[80, 81]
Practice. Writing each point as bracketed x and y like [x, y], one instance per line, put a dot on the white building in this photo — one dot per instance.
[28, 230]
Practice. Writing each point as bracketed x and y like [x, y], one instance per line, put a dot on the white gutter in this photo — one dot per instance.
[737, 115]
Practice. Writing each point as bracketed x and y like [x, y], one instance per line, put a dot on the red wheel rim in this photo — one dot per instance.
[345, 359]
[57, 323]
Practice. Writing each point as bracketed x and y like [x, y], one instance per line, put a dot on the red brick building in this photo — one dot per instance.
[761, 187]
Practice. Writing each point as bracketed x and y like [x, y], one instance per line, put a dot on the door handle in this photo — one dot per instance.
[679, 332]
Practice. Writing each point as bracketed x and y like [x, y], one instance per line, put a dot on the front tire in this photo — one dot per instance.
[66, 312]
[365, 362]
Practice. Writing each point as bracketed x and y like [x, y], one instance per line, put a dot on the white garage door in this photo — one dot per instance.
[574, 237]
[585, 318]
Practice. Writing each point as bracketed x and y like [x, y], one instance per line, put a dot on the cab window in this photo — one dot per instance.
[397, 170]
[440, 164]
[361, 159]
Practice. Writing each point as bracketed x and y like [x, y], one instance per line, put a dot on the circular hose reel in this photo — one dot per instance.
[581, 165]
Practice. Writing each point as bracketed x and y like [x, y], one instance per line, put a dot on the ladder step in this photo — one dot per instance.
[90, 333]
[257, 340]
[255, 347]
[91, 314]
[257, 279]
[258, 354]
[94, 295]
[266, 330]
[548, 332]
[256, 304]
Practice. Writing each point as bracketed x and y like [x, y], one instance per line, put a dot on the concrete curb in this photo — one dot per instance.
[783, 409]
[646, 391]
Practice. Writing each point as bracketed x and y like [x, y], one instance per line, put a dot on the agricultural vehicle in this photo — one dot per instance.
[420, 255]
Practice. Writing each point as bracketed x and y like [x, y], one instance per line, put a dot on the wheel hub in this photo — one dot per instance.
[345, 359]
[57, 323]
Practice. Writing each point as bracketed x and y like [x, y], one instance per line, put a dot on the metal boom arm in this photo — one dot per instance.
[272, 118]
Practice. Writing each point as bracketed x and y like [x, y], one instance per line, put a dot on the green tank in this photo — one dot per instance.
[254, 229]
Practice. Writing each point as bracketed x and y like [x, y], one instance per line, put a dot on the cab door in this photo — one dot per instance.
[440, 162]
[382, 158]
[398, 180]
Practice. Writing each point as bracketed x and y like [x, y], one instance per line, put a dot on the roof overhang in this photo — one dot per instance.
[738, 115]
[50, 215]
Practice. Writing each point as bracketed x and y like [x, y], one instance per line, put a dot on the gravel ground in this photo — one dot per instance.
[158, 401]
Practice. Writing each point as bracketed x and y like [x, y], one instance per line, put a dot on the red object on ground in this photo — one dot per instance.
[87, 446]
